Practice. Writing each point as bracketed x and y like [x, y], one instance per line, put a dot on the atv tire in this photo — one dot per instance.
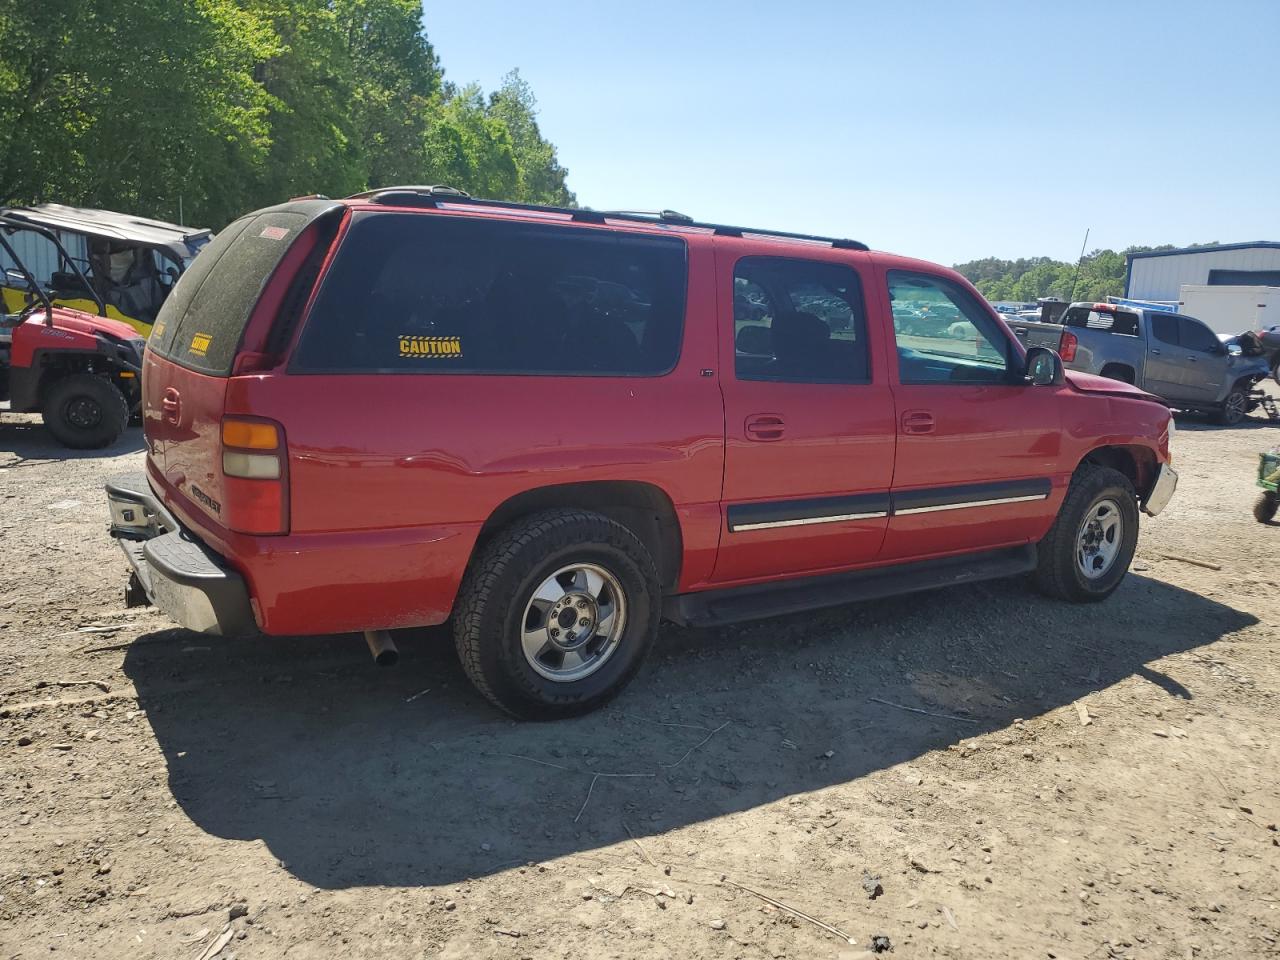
[85, 412]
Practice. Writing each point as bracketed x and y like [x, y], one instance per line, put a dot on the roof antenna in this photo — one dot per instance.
[1072, 295]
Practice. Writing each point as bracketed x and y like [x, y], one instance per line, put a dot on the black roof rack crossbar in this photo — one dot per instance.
[433, 197]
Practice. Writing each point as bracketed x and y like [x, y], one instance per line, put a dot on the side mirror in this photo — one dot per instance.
[1044, 368]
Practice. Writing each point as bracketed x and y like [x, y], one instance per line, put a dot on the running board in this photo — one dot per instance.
[709, 608]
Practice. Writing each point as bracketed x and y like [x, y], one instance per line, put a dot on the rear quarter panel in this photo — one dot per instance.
[1097, 348]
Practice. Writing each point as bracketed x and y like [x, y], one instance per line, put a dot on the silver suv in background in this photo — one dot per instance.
[1176, 357]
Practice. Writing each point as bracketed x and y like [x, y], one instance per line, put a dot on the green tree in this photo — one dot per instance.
[541, 179]
[219, 106]
[315, 144]
[132, 103]
[397, 81]
[468, 148]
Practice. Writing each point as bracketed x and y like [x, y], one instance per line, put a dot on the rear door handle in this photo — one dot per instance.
[1155, 353]
[171, 404]
[764, 427]
[918, 421]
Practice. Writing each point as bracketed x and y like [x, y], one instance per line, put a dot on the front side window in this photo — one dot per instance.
[943, 335]
[414, 293]
[1194, 335]
[798, 321]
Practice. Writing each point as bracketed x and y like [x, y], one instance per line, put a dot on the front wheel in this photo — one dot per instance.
[85, 412]
[1088, 549]
[556, 614]
[1234, 407]
[1264, 511]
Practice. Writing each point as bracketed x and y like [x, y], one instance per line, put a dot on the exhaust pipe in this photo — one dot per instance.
[382, 647]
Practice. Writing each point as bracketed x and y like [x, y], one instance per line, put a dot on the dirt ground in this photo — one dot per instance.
[167, 795]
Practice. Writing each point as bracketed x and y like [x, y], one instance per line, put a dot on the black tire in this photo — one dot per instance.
[1275, 370]
[1058, 573]
[1264, 511]
[85, 412]
[488, 619]
[1235, 406]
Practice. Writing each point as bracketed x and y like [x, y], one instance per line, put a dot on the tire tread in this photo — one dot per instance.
[1053, 576]
[488, 568]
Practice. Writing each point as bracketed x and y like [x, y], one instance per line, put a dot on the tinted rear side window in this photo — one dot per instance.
[1116, 321]
[201, 323]
[1165, 327]
[414, 293]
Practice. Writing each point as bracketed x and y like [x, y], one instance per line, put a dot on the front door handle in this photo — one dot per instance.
[1192, 359]
[1155, 353]
[764, 427]
[917, 422]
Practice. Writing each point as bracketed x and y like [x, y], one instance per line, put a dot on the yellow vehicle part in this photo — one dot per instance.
[15, 300]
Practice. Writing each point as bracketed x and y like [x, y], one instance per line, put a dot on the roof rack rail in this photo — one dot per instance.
[433, 196]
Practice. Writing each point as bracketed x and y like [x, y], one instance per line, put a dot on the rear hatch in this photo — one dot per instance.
[198, 343]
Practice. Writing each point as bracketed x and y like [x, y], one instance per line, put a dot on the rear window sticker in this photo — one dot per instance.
[274, 233]
[200, 344]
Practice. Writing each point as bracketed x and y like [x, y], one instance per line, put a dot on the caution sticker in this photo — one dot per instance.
[200, 344]
[158, 330]
[430, 348]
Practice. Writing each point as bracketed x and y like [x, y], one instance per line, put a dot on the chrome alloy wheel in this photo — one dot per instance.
[1098, 542]
[1235, 408]
[573, 622]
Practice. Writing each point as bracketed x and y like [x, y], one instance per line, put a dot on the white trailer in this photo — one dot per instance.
[1229, 310]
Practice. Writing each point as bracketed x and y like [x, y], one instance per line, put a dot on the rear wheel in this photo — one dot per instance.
[1087, 551]
[85, 412]
[557, 613]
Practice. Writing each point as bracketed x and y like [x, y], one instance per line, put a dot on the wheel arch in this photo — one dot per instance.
[1127, 372]
[1135, 461]
[643, 508]
[49, 366]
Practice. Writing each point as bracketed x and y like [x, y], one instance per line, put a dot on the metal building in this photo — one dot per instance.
[1160, 275]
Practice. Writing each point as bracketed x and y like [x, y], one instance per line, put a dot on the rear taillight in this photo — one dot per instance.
[1067, 346]
[254, 476]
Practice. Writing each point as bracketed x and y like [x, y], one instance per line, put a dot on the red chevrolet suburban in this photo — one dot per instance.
[555, 428]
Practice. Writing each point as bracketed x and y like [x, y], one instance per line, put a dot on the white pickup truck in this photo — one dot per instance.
[1173, 356]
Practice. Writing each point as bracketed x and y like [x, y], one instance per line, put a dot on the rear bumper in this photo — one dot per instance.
[175, 571]
[1161, 491]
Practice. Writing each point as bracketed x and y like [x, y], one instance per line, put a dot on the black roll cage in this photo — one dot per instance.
[10, 225]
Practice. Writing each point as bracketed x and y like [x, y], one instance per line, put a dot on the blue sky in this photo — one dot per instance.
[945, 130]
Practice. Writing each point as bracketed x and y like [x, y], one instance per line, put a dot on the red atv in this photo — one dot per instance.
[80, 371]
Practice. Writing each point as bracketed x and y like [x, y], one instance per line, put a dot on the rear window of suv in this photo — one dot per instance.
[202, 321]
[425, 293]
